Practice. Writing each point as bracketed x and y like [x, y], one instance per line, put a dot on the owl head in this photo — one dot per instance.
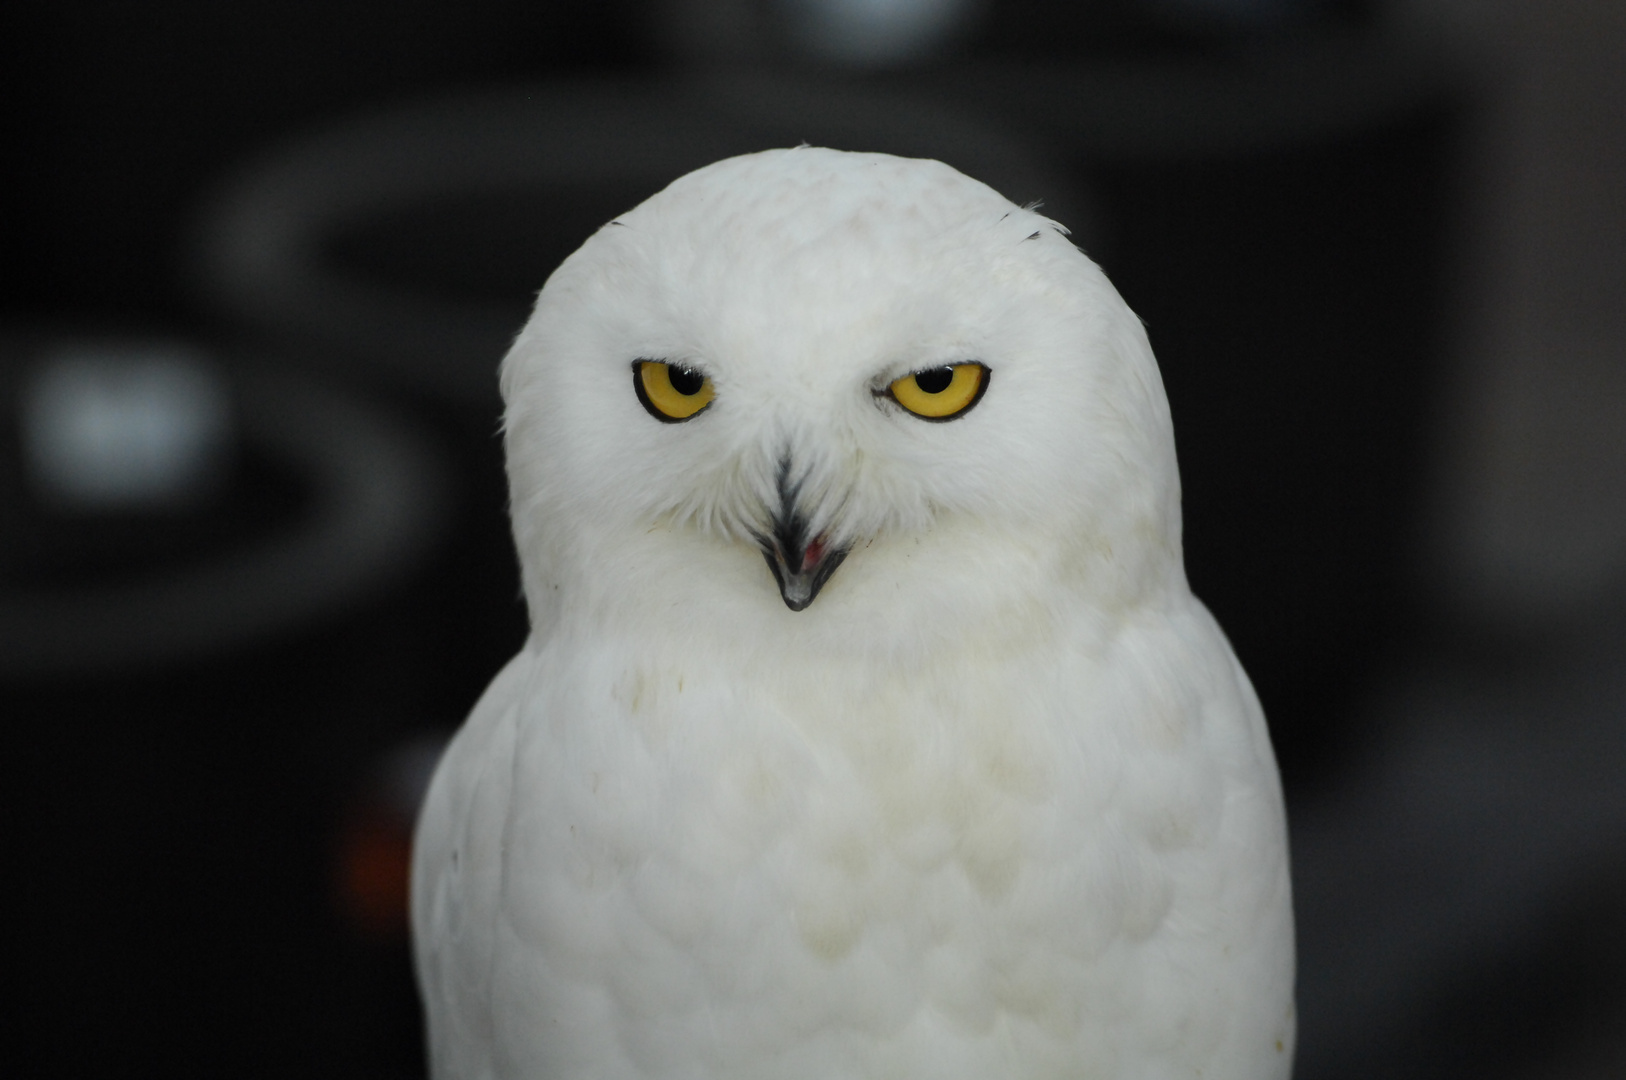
[803, 390]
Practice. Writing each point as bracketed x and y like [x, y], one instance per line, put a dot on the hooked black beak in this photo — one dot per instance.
[801, 564]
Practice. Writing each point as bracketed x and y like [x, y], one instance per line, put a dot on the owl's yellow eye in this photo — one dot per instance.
[671, 393]
[941, 393]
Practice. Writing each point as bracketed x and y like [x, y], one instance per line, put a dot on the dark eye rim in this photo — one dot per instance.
[643, 395]
[982, 388]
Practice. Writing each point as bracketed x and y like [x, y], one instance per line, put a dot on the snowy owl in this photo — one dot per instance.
[867, 727]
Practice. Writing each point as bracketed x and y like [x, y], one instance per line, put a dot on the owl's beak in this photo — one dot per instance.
[800, 567]
[801, 564]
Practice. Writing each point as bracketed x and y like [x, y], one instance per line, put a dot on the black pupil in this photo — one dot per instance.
[684, 381]
[934, 381]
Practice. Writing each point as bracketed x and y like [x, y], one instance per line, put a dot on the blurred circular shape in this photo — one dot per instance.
[414, 240]
[327, 501]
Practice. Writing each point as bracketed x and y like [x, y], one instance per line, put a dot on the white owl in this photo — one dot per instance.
[867, 727]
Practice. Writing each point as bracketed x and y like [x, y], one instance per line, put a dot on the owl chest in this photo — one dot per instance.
[906, 803]
[881, 861]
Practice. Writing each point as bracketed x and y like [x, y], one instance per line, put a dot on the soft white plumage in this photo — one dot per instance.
[1000, 803]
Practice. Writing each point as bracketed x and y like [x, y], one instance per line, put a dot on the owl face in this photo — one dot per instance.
[805, 353]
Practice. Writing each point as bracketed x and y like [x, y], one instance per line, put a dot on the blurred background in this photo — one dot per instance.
[257, 265]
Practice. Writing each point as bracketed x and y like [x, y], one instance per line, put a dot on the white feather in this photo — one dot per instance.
[999, 803]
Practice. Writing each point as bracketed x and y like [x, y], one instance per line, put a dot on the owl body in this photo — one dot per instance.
[850, 742]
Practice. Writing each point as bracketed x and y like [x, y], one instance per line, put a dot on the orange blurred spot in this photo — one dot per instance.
[375, 869]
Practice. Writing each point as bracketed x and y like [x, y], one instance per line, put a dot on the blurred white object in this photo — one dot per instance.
[371, 509]
[875, 33]
[846, 33]
[106, 428]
